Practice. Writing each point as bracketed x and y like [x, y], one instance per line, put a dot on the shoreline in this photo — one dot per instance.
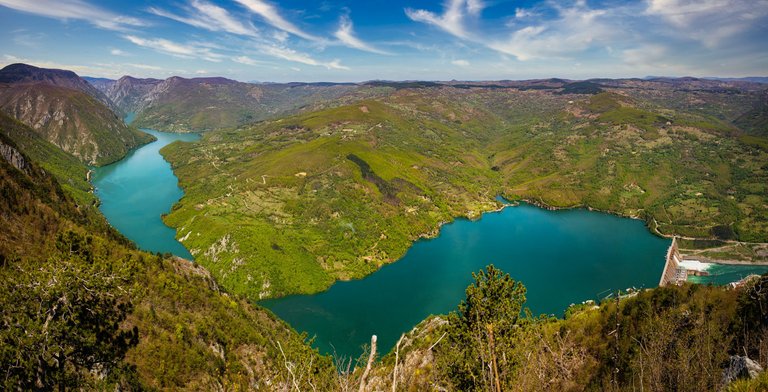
[655, 231]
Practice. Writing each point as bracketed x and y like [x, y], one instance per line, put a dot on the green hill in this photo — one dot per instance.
[291, 205]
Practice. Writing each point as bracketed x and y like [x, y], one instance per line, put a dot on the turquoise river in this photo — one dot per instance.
[562, 257]
[137, 190]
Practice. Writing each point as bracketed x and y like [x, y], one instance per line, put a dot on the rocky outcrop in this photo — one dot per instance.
[71, 120]
[14, 157]
[740, 367]
[132, 94]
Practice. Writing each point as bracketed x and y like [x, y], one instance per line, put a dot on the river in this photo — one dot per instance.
[136, 191]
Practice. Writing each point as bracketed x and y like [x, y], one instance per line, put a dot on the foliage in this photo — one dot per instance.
[64, 324]
[667, 338]
[481, 330]
[81, 309]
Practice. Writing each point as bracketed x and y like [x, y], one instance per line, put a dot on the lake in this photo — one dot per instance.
[137, 190]
[562, 257]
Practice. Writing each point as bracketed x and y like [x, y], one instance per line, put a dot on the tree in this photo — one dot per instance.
[60, 323]
[482, 330]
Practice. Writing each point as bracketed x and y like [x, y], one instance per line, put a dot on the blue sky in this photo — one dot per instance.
[269, 40]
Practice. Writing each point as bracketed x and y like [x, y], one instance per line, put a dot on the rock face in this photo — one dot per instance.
[101, 84]
[131, 94]
[14, 157]
[740, 367]
[68, 112]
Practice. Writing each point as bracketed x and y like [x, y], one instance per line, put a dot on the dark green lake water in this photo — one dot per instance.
[562, 257]
[137, 190]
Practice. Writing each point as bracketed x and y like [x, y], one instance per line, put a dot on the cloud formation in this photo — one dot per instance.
[710, 21]
[74, 9]
[271, 15]
[452, 18]
[303, 58]
[210, 17]
[346, 36]
[176, 49]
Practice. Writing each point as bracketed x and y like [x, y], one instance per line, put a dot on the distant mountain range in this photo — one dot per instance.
[202, 104]
[752, 79]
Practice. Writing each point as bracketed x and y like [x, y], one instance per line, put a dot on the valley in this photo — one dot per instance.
[336, 188]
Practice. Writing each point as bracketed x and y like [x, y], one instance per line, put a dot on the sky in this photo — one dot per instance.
[316, 40]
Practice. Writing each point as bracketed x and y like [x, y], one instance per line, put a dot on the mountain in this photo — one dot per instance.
[101, 84]
[201, 104]
[68, 170]
[66, 111]
[27, 74]
[753, 79]
[130, 93]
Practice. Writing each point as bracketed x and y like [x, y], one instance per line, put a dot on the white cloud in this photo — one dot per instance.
[576, 29]
[272, 16]
[118, 52]
[522, 13]
[709, 21]
[145, 67]
[645, 55]
[74, 9]
[460, 63]
[210, 17]
[452, 19]
[474, 7]
[247, 60]
[346, 35]
[176, 49]
[298, 57]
